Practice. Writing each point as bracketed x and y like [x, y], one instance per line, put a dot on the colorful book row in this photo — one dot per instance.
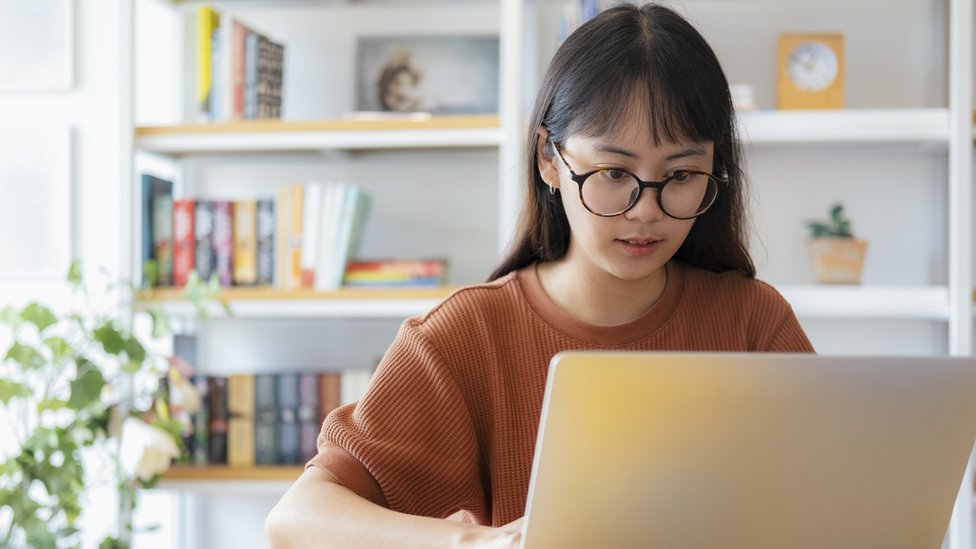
[301, 238]
[266, 419]
[240, 72]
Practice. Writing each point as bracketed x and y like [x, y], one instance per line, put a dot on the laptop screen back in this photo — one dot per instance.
[680, 450]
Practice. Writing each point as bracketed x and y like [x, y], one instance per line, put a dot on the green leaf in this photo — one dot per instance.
[150, 271]
[38, 315]
[87, 387]
[11, 389]
[60, 349]
[74, 274]
[10, 316]
[53, 404]
[25, 355]
[134, 350]
[131, 366]
[110, 337]
[160, 323]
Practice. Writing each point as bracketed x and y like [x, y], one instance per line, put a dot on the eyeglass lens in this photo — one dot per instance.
[685, 195]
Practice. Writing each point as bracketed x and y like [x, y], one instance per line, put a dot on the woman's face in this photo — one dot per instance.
[636, 244]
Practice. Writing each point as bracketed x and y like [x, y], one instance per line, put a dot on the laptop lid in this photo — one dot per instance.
[678, 450]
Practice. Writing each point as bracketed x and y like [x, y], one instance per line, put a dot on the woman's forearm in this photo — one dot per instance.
[318, 512]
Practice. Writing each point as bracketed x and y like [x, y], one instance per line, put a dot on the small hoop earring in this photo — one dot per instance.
[552, 190]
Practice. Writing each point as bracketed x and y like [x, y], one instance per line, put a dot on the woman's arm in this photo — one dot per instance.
[317, 511]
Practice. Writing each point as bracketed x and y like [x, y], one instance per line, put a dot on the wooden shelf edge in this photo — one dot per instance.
[274, 294]
[438, 122]
[228, 473]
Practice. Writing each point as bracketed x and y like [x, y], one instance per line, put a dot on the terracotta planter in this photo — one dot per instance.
[838, 260]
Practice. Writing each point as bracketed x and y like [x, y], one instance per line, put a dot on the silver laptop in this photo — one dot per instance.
[677, 450]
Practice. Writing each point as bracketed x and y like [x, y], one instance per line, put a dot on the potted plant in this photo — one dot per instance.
[85, 401]
[838, 257]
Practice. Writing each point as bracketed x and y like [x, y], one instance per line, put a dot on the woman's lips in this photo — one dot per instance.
[639, 246]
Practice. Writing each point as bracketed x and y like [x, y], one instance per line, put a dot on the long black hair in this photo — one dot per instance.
[653, 54]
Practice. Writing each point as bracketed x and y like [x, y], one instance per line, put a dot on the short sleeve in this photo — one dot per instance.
[412, 432]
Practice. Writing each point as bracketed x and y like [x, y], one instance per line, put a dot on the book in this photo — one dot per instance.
[203, 229]
[162, 231]
[265, 420]
[311, 223]
[184, 240]
[330, 394]
[354, 211]
[240, 426]
[223, 241]
[270, 69]
[199, 444]
[286, 393]
[251, 75]
[207, 22]
[283, 215]
[293, 266]
[154, 189]
[330, 217]
[354, 383]
[245, 255]
[217, 436]
[396, 273]
[308, 414]
[266, 241]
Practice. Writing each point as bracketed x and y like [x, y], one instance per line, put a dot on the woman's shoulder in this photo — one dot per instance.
[729, 286]
[474, 302]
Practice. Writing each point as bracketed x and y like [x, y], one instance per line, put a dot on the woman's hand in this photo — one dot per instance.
[503, 537]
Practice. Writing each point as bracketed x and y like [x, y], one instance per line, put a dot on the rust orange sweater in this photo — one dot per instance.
[450, 418]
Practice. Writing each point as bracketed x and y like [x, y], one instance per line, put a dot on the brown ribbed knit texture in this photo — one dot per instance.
[449, 422]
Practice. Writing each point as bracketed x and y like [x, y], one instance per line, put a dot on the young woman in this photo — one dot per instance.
[632, 238]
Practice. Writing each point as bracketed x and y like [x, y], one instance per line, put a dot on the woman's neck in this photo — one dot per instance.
[600, 298]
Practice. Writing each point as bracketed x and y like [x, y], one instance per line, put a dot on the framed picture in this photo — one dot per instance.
[36, 45]
[436, 74]
[35, 203]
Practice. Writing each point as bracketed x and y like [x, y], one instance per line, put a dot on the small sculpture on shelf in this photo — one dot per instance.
[838, 256]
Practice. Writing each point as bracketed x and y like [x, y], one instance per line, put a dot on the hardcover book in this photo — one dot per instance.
[330, 394]
[240, 428]
[265, 420]
[286, 392]
[203, 228]
[223, 241]
[266, 241]
[183, 240]
[155, 190]
[245, 242]
[308, 414]
[217, 391]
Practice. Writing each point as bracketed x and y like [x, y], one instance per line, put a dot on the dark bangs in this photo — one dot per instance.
[641, 76]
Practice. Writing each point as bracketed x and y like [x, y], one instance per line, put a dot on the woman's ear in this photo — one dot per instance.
[546, 160]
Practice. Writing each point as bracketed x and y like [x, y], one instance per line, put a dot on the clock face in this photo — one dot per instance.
[812, 66]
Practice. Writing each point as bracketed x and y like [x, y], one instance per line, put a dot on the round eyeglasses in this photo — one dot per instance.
[684, 194]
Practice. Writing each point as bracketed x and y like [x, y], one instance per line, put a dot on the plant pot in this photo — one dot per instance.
[838, 260]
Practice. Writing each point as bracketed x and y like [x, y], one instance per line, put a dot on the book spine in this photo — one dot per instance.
[183, 240]
[265, 420]
[311, 221]
[330, 393]
[200, 442]
[266, 241]
[163, 238]
[207, 22]
[251, 75]
[203, 230]
[148, 253]
[283, 214]
[294, 265]
[237, 70]
[217, 390]
[287, 429]
[245, 242]
[308, 412]
[333, 200]
[223, 241]
[240, 428]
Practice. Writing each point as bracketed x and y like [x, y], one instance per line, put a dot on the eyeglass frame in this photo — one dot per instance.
[641, 184]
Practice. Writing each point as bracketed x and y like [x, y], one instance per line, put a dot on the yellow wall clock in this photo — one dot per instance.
[810, 71]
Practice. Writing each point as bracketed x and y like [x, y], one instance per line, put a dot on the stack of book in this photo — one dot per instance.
[240, 71]
[301, 238]
[396, 273]
[266, 419]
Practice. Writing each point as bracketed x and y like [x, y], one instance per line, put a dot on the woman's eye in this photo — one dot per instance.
[678, 176]
[615, 174]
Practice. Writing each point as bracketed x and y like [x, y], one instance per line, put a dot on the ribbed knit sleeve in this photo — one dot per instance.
[413, 433]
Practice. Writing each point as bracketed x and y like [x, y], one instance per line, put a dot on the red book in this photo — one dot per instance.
[183, 240]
